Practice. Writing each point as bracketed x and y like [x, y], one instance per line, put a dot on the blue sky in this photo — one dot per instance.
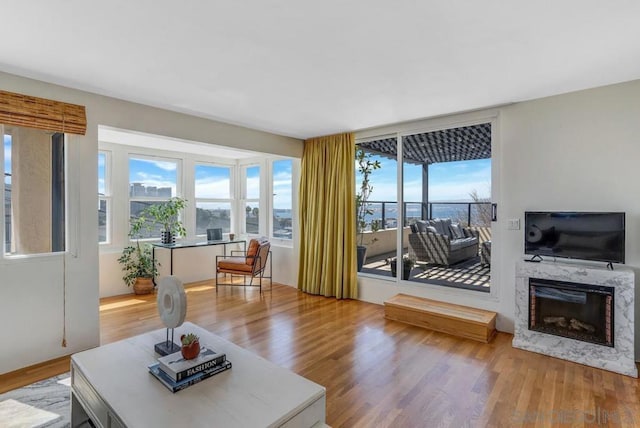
[7, 153]
[448, 181]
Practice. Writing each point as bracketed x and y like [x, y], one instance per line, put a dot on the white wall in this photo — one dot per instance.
[577, 151]
[31, 296]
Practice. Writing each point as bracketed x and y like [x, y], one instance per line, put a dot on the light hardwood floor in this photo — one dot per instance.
[381, 373]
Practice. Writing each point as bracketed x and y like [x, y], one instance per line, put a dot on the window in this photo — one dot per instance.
[104, 197]
[282, 226]
[152, 181]
[34, 191]
[252, 200]
[213, 198]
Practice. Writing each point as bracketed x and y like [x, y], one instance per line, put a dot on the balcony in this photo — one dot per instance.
[467, 274]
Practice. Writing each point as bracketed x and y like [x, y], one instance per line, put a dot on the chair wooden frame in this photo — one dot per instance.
[258, 268]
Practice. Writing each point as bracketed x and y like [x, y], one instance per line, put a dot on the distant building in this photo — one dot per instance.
[136, 189]
[139, 189]
[164, 192]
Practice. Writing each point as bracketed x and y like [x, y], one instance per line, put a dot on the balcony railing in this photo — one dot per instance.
[385, 213]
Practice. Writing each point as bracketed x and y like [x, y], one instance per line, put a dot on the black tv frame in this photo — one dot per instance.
[539, 255]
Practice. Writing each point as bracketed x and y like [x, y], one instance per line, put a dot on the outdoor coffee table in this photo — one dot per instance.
[112, 386]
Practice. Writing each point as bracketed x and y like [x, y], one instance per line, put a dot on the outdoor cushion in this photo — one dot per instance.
[414, 228]
[456, 231]
[421, 226]
[462, 243]
[431, 229]
[437, 223]
[446, 227]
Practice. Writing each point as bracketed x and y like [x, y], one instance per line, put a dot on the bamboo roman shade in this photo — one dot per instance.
[40, 113]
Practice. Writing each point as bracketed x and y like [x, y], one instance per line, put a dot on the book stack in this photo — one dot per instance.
[176, 373]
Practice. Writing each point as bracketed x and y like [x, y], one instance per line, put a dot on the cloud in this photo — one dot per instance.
[253, 187]
[213, 188]
[164, 165]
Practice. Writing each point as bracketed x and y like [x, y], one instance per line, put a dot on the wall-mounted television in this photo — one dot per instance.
[596, 236]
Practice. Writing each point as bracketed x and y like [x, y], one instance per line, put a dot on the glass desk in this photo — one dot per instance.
[187, 244]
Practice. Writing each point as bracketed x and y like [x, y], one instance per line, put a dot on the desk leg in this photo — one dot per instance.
[171, 257]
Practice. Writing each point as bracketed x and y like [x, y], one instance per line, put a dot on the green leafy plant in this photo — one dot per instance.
[188, 339]
[365, 166]
[137, 262]
[166, 214]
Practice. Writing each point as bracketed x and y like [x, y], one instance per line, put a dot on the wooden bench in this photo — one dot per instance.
[463, 321]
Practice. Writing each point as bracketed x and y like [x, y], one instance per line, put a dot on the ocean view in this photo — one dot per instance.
[473, 213]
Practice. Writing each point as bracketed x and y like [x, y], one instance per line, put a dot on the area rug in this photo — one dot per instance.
[41, 404]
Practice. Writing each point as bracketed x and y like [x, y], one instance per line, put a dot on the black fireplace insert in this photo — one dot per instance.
[577, 311]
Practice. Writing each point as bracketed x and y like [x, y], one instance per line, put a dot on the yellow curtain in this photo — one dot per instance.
[327, 217]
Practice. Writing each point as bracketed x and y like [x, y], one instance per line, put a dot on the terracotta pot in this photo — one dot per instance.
[143, 286]
[189, 352]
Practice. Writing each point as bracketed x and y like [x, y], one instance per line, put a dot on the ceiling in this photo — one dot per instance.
[304, 69]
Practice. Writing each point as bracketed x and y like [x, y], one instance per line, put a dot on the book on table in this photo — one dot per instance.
[175, 386]
[176, 367]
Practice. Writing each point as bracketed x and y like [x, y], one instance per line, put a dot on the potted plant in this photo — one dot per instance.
[139, 267]
[137, 261]
[407, 265]
[190, 346]
[166, 214]
[365, 167]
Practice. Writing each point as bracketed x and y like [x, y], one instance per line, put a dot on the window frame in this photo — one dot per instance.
[272, 194]
[230, 201]
[15, 257]
[244, 200]
[107, 197]
[130, 199]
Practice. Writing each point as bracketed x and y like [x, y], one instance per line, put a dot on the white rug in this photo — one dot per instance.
[41, 404]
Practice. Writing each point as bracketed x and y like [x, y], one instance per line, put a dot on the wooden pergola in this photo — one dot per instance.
[447, 145]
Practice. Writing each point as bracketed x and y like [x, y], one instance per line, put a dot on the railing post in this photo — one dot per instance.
[384, 222]
[469, 214]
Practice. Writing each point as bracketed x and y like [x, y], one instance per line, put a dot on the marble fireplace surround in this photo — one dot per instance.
[620, 358]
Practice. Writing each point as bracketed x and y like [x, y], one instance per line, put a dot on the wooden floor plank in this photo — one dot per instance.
[380, 372]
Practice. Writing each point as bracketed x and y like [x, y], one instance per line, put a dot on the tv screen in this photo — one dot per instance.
[597, 236]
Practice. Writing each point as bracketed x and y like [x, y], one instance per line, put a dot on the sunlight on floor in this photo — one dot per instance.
[16, 414]
[116, 305]
[198, 288]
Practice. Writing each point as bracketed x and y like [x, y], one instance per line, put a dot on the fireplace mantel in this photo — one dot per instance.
[620, 358]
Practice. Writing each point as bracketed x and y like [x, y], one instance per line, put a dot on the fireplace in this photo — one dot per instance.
[610, 297]
[577, 311]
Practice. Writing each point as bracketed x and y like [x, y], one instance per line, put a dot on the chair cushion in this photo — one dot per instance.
[252, 251]
[254, 248]
[431, 229]
[414, 228]
[234, 264]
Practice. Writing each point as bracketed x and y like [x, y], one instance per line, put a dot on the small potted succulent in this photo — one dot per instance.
[190, 346]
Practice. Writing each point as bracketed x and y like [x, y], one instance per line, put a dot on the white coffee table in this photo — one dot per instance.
[112, 386]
